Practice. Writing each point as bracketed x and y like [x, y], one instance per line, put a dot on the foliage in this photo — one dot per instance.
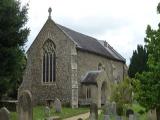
[138, 109]
[138, 61]
[13, 35]
[122, 94]
[147, 84]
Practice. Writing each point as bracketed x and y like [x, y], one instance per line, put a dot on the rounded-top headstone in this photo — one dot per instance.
[57, 105]
[4, 114]
[25, 107]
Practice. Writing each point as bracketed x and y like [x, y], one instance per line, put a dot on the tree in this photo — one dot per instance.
[13, 36]
[147, 84]
[122, 94]
[138, 61]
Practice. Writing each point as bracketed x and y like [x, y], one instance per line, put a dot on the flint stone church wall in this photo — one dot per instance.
[33, 74]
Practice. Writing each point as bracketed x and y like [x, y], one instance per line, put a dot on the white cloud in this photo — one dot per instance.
[122, 23]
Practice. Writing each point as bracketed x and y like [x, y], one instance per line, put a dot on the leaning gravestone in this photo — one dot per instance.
[93, 112]
[4, 114]
[25, 108]
[57, 105]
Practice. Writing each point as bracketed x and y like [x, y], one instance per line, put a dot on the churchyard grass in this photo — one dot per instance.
[142, 115]
[13, 116]
[38, 112]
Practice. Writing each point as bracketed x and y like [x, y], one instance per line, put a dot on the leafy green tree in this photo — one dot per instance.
[122, 94]
[138, 61]
[13, 36]
[147, 84]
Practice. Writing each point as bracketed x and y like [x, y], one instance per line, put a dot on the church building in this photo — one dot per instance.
[73, 67]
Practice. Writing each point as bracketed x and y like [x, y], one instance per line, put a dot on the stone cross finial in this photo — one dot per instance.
[49, 10]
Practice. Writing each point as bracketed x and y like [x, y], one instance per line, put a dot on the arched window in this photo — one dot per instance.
[49, 62]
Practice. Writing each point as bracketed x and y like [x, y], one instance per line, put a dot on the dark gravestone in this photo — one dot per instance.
[93, 112]
[25, 108]
[129, 112]
[4, 114]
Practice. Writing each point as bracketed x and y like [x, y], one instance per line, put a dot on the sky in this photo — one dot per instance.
[122, 23]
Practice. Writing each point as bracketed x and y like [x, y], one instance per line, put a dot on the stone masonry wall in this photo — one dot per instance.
[61, 88]
[89, 62]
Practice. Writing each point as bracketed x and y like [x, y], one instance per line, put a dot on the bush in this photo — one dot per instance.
[141, 112]
[119, 110]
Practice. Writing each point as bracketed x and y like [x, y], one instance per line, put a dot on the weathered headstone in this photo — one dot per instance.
[93, 112]
[131, 117]
[57, 105]
[119, 117]
[152, 115]
[114, 111]
[47, 112]
[4, 114]
[108, 108]
[25, 108]
[106, 117]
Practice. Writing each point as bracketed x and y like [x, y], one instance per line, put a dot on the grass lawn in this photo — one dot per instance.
[38, 113]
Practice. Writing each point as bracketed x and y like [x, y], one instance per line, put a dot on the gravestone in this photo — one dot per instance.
[129, 112]
[119, 117]
[47, 112]
[152, 114]
[57, 105]
[114, 111]
[93, 112]
[25, 108]
[131, 117]
[4, 114]
[108, 108]
[106, 117]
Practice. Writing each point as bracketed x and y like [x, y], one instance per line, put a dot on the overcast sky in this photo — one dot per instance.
[122, 23]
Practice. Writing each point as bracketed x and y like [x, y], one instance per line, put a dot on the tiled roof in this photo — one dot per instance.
[91, 44]
[90, 77]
